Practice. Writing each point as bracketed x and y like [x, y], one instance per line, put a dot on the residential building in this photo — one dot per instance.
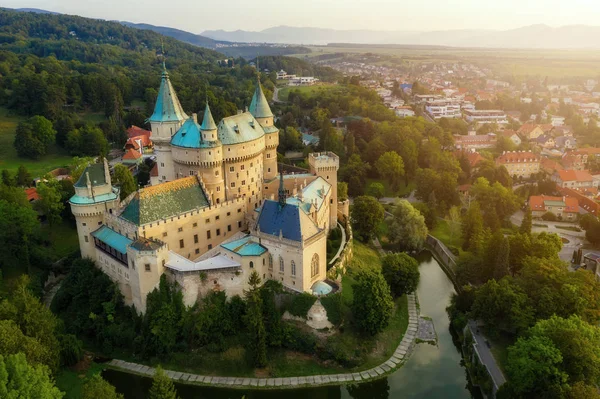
[302, 81]
[565, 143]
[474, 141]
[545, 141]
[423, 98]
[573, 178]
[403, 112]
[558, 121]
[521, 164]
[443, 109]
[483, 116]
[530, 131]
[512, 136]
[564, 208]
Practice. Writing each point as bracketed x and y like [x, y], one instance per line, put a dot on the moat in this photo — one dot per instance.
[430, 372]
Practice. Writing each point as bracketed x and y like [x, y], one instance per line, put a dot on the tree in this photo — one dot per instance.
[503, 307]
[92, 141]
[533, 369]
[472, 228]
[581, 390]
[526, 223]
[579, 343]
[33, 137]
[391, 167]
[427, 182]
[18, 379]
[372, 305]
[342, 191]
[124, 179]
[367, 213]
[454, 223]
[355, 172]
[7, 178]
[501, 262]
[257, 343]
[376, 190]
[18, 223]
[23, 177]
[96, 387]
[401, 273]
[162, 386]
[408, 227]
[50, 202]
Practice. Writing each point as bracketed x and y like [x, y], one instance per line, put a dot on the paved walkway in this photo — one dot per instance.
[401, 354]
[342, 244]
[486, 356]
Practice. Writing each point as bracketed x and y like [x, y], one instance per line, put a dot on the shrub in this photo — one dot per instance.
[296, 339]
[300, 304]
[71, 349]
[549, 216]
[334, 306]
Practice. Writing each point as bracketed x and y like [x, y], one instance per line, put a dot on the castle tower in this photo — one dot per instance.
[259, 108]
[147, 260]
[326, 165]
[94, 196]
[212, 172]
[167, 118]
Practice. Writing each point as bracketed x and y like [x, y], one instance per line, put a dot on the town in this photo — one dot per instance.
[344, 220]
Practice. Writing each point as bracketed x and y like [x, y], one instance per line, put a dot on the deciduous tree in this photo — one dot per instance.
[18, 379]
[124, 179]
[96, 387]
[367, 213]
[372, 305]
[408, 227]
[391, 167]
[162, 386]
[401, 272]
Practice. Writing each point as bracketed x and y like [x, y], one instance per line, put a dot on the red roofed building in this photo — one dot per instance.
[574, 160]
[512, 136]
[550, 166]
[474, 142]
[473, 157]
[520, 163]
[132, 157]
[530, 131]
[587, 204]
[32, 194]
[134, 131]
[573, 178]
[139, 139]
[565, 207]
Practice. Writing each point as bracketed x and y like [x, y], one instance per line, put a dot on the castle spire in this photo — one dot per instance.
[167, 107]
[259, 107]
[208, 123]
[281, 191]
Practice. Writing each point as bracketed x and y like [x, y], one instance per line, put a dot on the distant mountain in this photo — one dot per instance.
[534, 36]
[181, 35]
[36, 10]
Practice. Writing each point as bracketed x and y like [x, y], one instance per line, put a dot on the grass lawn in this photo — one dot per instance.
[403, 190]
[56, 157]
[310, 90]
[442, 232]
[71, 382]
[92, 117]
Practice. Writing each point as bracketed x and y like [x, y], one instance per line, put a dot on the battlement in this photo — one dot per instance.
[322, 160]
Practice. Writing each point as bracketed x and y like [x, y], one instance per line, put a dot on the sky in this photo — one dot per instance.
[197, 16]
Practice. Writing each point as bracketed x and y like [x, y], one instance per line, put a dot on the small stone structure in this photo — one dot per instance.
[426, 330]
[317, 317]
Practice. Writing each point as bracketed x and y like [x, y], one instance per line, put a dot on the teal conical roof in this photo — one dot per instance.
[208, 123]
[167, 108]
[259, 107]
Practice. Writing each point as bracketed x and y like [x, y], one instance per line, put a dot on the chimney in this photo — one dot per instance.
[195, 117]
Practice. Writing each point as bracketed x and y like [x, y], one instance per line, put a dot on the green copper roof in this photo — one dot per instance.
[208, 123]
[245, 247]
[259, 107]
[79, 200]
[112, 239]
[165, 200]
[167, 108]
[189, 136]
[97, 177]
[239, 128]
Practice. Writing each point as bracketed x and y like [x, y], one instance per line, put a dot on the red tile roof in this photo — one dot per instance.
[536, 203]
[132, 154]
[586, 203]
[138, 131]
[473, 157]
[549, 165]
[574, 175]
[32, 194]
[517, 157]
[134, 142]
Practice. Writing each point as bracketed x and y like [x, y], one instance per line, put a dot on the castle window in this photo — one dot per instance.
[269, 168]
[163, 263]
[208, 234]
[217, 217]
[269, 156]
[270, 262]
[181, 243]
[180, 229]
[195, 238]
[218, 188]
[147, 267]
[164, 178]
[209, 246]
[133, 265]
[195, 224]
[207, 221]
[314, 265]
[191, 173]
[228, 213]
[232, 184]
[99, 223]
[162, 164]
[251, 265]
[85, 238]
[281, 265]
[242, 167]
[84, 224]
[263, 261]
[197, 251]
[239, 210]
[232, 168]
[165, 234]
[243, 184]
[327, 177]
[216, 173]
[218, 201]
[293, 268]
[229, 227]
[240, 224]
[218, 232]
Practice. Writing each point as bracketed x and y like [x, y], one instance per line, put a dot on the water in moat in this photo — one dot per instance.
[431, 371]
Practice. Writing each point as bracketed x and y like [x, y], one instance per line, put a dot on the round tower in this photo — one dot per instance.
[167, 118]
[259, 108]
[94, 196]
[211, 169]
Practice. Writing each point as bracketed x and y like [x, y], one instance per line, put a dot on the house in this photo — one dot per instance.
[474, 141]
[573, 178]
[574, 160]
[483, 116]
[531, 131]
[138, 139]
[32, 194]
[549, 166]
[522, 164]
[586, 205]
[557, 120]
[132, 157]
[564, 208]
[403, 112]
[512, 136]
[565, 143]
[545, 141]
[563, 131]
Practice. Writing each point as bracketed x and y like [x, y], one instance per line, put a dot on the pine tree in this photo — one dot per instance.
[257, 343]
[502, 256]
[526, 223]
[162, 386]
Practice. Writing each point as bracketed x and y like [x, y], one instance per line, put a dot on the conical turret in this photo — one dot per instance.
[208, 123]
[167, 108]
[259, 107]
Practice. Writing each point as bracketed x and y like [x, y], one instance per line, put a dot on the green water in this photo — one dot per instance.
[431, 372]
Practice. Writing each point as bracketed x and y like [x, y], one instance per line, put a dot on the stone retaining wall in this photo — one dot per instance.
[400, 356]
[337, 270]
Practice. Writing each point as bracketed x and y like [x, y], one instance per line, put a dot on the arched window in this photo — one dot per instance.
[314, 265]
[293, 268]
[270, 262]
[251, 265]
[281, 266]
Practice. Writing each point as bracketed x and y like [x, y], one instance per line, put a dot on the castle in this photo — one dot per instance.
[217, 210]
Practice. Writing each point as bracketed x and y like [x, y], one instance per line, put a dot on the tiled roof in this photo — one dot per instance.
[112, 239]
[473, 157]
[32, 194]
[259, 107]
[165, 200]
[97, 177]
[517, 157]
[540, 202]
[239, 128]
[167, 107]
[135, 141]
[134, 131]
[480, 138]
[132, 154]
[144, 244]
[314, 193]
[288, 220]
[574, 175]
[527, 128]
[208, 123]
[245, 247]
[189, 136]
[549, 165]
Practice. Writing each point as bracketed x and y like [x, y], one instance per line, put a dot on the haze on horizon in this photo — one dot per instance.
[391, 15]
